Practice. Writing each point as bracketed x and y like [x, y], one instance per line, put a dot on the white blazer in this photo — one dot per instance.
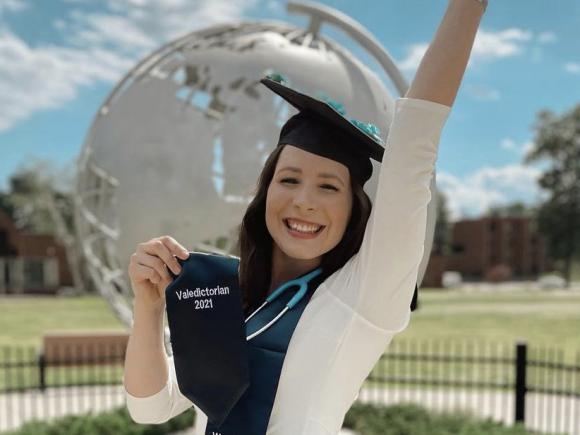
[353, 315]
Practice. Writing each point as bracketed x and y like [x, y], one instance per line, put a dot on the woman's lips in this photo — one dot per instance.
[303, 222]
[302, 235]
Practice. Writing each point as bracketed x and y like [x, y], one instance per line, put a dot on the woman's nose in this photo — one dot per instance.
[305, 199]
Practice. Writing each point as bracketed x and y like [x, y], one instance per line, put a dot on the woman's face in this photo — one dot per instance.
[308, 204]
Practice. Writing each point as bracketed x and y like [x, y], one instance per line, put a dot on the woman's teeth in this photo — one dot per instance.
[303, 228]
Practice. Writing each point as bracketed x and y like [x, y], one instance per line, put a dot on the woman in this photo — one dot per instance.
[361, 300]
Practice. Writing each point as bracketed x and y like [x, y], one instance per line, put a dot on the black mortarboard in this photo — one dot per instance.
[320, 127]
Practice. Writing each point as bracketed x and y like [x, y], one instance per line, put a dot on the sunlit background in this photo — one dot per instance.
[59, 59]
[504, 271]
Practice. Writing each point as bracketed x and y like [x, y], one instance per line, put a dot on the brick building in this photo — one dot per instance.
[30, 263]
[492, 249]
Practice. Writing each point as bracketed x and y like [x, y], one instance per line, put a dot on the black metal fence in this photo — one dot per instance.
[539, 386]
[67, 380]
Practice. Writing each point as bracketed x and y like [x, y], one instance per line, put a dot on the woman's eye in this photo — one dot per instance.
[295, 181]
[289, 180]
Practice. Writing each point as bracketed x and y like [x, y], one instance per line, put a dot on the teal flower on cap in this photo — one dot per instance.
[279, 78]
[339, 107]
[370, 129]
[354, 143]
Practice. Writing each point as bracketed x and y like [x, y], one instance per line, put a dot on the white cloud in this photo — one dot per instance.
[40, 78]
[572, 67]
[519, 149]
[487, 46]
[547, 37]
[482, 93]
[415, 53]
[59, 24]
[100, 47]
[508, 144]
[12, 6]
[164, 20]
[498, 45]
[472, 195]
[537, 51]
[111, 30]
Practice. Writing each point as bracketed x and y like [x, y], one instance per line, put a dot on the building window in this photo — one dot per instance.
[4, 249]
[6, 266]
[33, 273]
[457, 249]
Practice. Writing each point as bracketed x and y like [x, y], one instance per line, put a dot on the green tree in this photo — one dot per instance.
[557, 141]
[442, 234]
[515, 209]
[39, 200]
[32, 190]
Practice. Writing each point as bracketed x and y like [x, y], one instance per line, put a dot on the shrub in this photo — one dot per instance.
[365, 419]
[116, 422]
[412, 419]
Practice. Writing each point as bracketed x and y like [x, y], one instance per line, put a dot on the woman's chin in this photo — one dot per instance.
[299, 254]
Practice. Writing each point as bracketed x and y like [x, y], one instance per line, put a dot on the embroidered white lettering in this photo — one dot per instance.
[202, 292]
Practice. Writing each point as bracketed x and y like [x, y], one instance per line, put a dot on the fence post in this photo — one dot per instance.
[520, 385]
[41, 371]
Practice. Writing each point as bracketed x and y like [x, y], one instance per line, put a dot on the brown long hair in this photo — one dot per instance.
[255, 241]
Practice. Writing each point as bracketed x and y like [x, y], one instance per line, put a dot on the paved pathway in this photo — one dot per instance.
[544, 413]
[17, 408]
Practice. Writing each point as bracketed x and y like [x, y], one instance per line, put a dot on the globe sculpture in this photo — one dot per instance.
[177, 146]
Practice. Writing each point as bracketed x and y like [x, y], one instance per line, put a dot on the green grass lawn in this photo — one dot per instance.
[540, 318]
[574, 270]
[491, 323]
[23, 320]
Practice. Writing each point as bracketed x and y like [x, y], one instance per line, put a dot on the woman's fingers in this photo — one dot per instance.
[154, 263]
[142, 272]
[153, 260]
[174, 247]
[157, 248]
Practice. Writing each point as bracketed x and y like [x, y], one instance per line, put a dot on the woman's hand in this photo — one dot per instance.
[148, 269]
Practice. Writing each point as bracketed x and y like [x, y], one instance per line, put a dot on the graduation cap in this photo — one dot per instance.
[321, 127]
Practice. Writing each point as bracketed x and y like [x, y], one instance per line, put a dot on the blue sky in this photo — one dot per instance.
[60, 58]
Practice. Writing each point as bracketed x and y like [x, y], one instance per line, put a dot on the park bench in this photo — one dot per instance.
[78, 349]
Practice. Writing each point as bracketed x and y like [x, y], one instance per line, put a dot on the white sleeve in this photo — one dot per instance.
[378, 282]
[161, 406]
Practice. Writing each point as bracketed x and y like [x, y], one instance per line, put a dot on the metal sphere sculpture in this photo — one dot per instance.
[177, 146]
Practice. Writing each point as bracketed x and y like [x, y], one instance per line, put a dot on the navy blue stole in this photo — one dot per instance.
[251, 414]
[206, 320]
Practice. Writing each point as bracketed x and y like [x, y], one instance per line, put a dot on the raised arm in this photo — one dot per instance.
[380, 278]
[441, 69]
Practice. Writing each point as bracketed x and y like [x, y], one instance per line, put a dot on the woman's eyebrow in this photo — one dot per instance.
[321, 174]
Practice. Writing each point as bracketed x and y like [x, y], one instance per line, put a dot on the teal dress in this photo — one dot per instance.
[251, 414]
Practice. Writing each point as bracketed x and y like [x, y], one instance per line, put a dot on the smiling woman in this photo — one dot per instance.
[310, 225]
[295, 189]
[309, 198]
[310, 217]
[311, 221]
